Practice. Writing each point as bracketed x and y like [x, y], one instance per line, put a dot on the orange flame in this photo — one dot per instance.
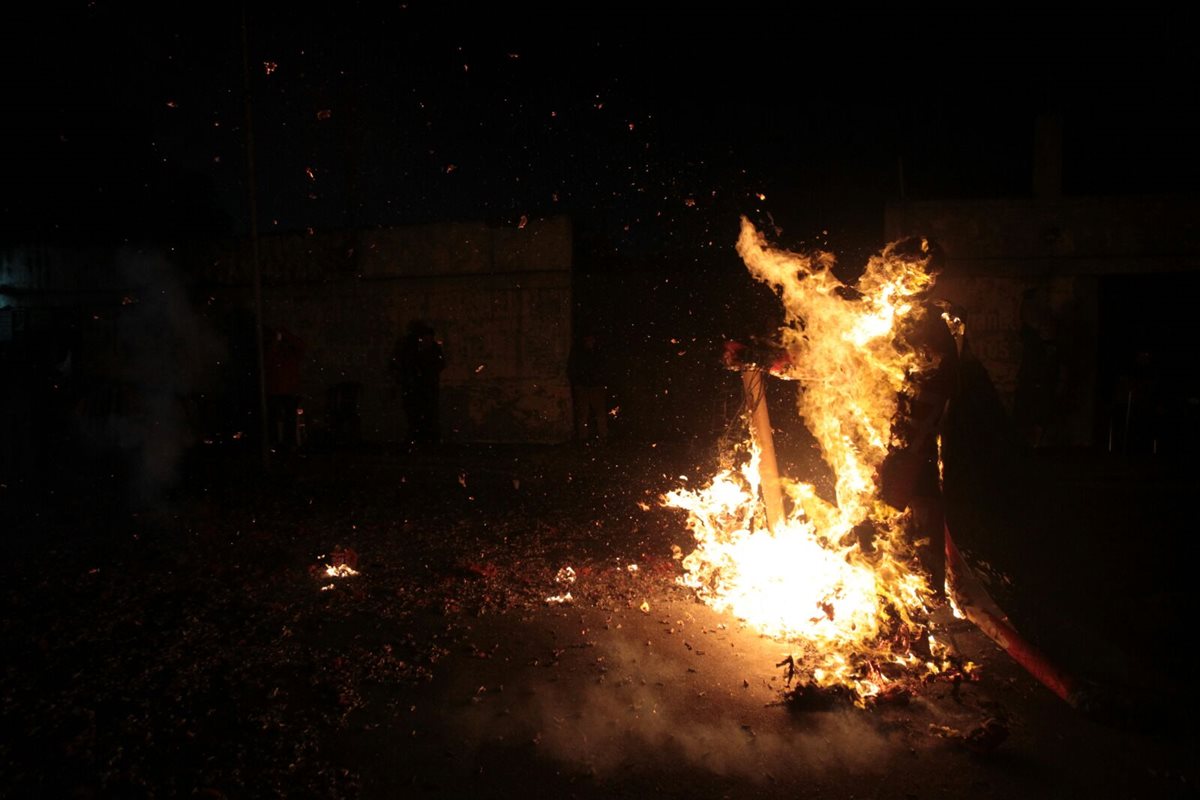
[851, 609]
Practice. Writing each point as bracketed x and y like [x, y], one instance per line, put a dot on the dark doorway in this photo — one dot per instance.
[1149, 346]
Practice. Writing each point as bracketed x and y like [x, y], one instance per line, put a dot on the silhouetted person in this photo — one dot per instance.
[418, 363]
[1137, 405]
[587, 373]
[909, 476]
[282, 355]
[1038, 373]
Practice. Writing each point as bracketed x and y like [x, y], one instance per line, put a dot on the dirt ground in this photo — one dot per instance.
[195, 646]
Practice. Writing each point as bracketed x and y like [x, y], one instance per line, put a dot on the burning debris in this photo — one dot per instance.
[223, 673]
[342, 564]
[564, 577]
[983, 738]
[772, 551]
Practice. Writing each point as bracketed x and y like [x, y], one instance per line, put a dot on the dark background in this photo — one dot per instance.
[179, 641]
[652, 128]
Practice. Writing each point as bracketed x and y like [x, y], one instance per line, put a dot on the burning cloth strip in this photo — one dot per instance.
[973, 602]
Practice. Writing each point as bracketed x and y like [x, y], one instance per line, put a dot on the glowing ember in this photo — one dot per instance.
[564, 577]
[340, 571]
[341, 564]
[836, 579]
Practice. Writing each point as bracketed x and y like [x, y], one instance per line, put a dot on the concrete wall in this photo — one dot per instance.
[1043, 262]
[499, 299]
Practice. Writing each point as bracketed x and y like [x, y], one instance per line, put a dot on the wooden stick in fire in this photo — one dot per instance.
[741, 358]
[754, 386]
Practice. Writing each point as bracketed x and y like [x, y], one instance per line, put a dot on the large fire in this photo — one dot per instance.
[852, 606]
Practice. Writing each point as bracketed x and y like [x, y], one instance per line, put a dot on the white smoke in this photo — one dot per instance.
[167, 354]
[622, 706]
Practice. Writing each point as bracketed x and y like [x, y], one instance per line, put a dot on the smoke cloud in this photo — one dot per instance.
[167, 355]
[641, 711]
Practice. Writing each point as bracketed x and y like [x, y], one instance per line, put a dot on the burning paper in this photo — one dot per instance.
[341, 564]
[564, 577]
[851, 604]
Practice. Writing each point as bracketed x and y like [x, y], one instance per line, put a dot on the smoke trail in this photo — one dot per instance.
[167, 354]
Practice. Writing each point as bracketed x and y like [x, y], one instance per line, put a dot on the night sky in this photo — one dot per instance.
[653, 130]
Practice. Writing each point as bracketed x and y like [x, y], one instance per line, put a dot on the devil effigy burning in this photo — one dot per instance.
[839, 580]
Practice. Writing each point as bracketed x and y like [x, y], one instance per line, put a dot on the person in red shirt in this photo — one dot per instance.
[282, 358]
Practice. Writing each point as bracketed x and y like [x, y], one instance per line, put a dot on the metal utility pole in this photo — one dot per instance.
[252, 197]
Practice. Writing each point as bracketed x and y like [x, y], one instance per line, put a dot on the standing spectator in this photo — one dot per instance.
[587, 372]
[281, 373]
[418, 362]
[909, 477]
[1035, 399]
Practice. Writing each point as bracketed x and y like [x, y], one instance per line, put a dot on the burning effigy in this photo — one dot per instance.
[770, 550]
